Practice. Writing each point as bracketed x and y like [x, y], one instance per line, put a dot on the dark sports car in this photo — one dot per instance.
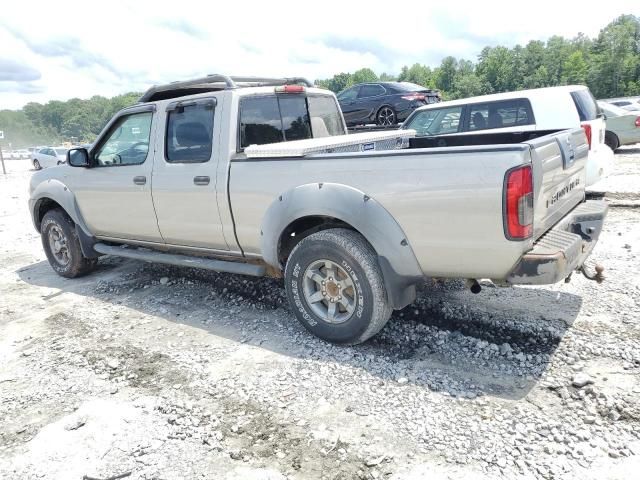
[383, 103]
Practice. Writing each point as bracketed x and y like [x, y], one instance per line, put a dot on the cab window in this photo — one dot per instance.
[501, 114]
[436, 121]
[371, 91]
[349, 94]
[127, 142]
[189, 133]
[279, 118]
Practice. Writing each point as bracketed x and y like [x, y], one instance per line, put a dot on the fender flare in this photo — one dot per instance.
[400, 268]
[57, 191]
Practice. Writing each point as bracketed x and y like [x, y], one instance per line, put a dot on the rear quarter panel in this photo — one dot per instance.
[448, 201]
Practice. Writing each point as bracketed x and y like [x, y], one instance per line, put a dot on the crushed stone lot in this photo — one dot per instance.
[152, 372]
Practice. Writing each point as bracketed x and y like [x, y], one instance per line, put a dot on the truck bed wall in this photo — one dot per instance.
[447, 201]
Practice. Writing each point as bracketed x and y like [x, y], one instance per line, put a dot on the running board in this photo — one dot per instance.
[182, 260]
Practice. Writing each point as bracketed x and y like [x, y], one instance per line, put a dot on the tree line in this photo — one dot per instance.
[609, 64]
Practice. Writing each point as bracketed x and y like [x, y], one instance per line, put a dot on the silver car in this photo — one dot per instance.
[49, 157]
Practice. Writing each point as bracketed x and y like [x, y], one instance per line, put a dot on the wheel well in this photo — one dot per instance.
[42, 207]
[303, 227]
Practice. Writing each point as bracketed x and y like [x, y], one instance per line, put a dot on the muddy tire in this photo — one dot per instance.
[335, 287]
[62, 247]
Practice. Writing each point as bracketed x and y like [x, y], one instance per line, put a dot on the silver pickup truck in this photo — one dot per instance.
[219, 173]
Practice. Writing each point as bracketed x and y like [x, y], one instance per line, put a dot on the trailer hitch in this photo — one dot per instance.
[597, 276]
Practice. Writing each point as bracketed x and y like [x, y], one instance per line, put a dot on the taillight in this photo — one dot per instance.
[637, 121]
[587, 131]
[414, 96]
[518, 203]
[290, 89]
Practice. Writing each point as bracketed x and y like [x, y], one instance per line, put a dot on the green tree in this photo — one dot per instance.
[575, 69]
[364, 75]
[417, 73]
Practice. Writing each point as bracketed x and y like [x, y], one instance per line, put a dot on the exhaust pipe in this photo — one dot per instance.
[473, 285]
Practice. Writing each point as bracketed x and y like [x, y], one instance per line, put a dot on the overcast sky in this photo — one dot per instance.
[63, 49]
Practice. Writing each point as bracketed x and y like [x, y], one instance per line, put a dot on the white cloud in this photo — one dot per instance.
[83, 48]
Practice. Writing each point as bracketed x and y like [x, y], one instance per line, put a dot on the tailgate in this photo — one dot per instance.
[558, 166]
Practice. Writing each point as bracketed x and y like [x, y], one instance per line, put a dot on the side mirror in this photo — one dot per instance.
[78, 157]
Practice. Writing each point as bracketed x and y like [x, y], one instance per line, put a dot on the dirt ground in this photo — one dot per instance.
[154, 372]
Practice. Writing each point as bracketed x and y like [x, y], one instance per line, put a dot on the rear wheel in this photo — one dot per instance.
[611, 140]
[386, 116]
[36, 164]
[335, 287]
[62, 246]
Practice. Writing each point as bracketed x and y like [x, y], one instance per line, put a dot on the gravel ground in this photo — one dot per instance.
[168, 373]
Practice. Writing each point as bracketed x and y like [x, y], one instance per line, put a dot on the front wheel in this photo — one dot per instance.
[36, 165]
[335, 287]
[62, 246]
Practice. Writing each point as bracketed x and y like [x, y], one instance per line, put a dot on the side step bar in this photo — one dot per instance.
[182, 260]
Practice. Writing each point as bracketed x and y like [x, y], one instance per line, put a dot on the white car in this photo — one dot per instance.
[552, 108]
[49, 157]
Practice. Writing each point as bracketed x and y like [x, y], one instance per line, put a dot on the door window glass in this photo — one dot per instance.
[189, 133]
[128, 141]
[371, 91]
[348, 95]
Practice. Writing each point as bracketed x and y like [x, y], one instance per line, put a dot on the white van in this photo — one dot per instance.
[525, 110]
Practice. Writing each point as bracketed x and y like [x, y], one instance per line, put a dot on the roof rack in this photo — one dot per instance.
[215, 82]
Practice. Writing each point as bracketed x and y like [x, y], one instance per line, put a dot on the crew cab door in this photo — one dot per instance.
[114, 195]
[184, 174]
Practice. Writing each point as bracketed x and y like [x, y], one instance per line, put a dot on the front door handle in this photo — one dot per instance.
[201, 180]
[141, 180]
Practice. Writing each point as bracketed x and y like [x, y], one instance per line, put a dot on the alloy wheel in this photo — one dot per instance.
[329, 291]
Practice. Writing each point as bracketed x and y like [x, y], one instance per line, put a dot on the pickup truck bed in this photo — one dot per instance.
[447, 201]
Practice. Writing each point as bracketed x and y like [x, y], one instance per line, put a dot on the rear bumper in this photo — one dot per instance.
[562, 249]
[599, 164]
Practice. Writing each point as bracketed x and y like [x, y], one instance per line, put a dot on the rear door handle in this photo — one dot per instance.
[141, 180]
[201, 180]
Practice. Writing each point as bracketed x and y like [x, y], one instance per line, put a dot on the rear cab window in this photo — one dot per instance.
[280, 118]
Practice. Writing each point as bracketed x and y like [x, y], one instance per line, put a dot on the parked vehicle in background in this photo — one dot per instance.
[623, 126]
[525, 110]
[49, 157]
[20, 154]
[203, 173]
[627, 103]
[383, 103]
